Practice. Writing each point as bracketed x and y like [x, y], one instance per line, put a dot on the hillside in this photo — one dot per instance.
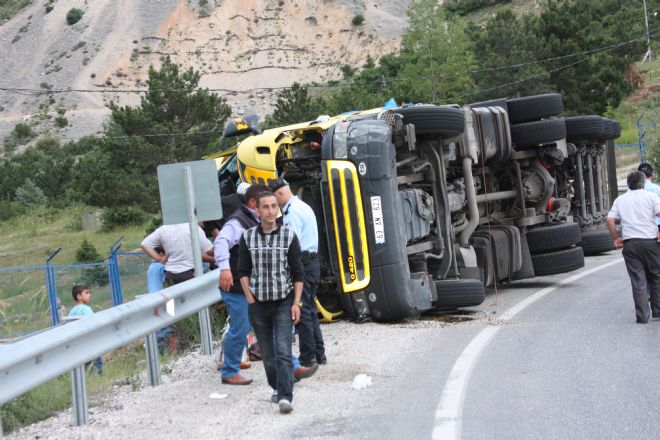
[237, 47]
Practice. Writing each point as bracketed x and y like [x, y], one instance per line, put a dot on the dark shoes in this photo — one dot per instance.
[305, 372]
[236, 379]
[323, 361]
[642, 322]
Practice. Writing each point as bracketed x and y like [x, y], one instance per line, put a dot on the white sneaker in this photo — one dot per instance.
[285, 406]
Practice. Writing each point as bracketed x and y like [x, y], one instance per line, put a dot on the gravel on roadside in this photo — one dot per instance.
[181, 408]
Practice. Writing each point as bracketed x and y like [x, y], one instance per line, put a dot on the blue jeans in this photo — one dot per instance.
[237, 307]
[271, 321]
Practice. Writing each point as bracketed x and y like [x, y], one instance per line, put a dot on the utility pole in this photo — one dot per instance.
[649, 53]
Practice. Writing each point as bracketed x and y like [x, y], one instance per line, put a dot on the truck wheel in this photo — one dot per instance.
[453, 294]
[616, 128]
[553, 237]
[552, 263]
[538, 132]
[596, 242]
[579, 128]
[533, 108]
[492, 103]
[608, 129]
[447, 122]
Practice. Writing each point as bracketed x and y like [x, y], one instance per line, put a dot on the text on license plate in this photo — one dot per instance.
[377, 216]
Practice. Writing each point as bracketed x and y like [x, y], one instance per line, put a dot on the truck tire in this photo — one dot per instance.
[447, 122]
[608, 129]
[616, 128]
[501, 102]
[552, 263]
[553, 237]
[533, 108]
[580, 128]
[596, 242]
[538, 132]
[453, 294]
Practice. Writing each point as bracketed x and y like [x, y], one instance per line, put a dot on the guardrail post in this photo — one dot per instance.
[79, 396]
[51, 288]
[205, 333]
[153, 358]
[113, 273]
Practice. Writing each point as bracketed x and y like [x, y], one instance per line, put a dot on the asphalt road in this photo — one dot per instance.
[570, 364]
[550, 358]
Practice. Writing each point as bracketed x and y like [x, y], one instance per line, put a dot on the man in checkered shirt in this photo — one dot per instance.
[271, 273]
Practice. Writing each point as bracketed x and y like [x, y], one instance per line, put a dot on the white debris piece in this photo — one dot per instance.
[361, 381]
[218, 396]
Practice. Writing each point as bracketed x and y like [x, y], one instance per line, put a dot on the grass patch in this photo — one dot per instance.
[9, 8]
[121, 367]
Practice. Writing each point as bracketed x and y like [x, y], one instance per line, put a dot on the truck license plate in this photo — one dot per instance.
[377, 216]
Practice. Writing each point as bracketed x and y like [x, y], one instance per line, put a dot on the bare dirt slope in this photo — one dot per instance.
[238, 47]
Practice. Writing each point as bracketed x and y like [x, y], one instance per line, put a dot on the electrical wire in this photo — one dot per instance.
[38, 91]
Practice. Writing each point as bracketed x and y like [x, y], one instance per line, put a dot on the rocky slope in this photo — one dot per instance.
[238, 46]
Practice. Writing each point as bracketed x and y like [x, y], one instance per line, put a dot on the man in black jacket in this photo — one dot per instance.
[271, 273]
[225, 248]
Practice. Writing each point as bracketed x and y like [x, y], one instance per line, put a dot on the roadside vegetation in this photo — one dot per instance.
[9, 8]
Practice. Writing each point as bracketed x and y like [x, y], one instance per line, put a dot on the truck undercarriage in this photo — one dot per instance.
[421, 207]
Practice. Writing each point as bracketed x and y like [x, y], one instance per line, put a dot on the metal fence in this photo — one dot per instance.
[33, 298]
[36, 359]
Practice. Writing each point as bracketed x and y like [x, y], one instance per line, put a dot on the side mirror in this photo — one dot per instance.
[242, 125]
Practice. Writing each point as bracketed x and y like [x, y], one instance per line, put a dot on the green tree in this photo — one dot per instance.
[29, 194]
[505, 48]
[294, 105]
[95, 275]
[595, 80]
[175, 122]
[436, 56]
[47, 164]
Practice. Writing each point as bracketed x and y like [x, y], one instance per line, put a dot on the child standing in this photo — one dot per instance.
[82, 296]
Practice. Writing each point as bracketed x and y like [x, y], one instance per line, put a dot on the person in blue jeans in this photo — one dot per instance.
[82, 296]
[271, 273]
[225, 251]
[156, 283]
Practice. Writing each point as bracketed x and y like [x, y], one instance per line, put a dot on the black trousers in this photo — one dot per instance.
[642, 257]
[312, 349]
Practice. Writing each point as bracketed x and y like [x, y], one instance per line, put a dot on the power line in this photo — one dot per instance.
[36, 92]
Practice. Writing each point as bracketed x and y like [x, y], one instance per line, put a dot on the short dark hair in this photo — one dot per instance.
[636, 180]
[645, 168]
[276, 184]
[77, 290]
[254, 190]
[263, 195]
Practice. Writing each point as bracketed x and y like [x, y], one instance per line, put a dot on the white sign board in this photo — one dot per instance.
[173, 193]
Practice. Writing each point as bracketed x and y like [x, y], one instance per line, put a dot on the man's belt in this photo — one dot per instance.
[308, 257]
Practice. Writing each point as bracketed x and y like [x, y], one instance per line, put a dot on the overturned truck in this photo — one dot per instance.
[420, 207]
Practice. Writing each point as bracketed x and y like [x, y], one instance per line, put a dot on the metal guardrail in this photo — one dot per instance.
[34, 360]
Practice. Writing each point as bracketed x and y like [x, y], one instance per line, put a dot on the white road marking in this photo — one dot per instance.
[450, 408]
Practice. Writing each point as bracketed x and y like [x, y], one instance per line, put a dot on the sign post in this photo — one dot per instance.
[189, 193]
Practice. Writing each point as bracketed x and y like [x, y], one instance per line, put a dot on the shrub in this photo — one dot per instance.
[22, 132]
[358, 20]
[61, 122]
[122, 216]
[74, 15]
[29, 194]
[9, 209]
[154, 223]
[95, 275]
